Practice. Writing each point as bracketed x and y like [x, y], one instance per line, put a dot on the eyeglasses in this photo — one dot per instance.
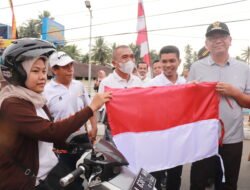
[217, 37]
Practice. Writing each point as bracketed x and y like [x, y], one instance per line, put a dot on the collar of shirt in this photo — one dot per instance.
[116, 76]
[54, 83]
[179, 80]
[211, 62]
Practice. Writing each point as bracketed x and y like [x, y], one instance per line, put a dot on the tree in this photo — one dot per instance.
[239, 58]
[33, 27]
[113, 46]
[101, 53]
[72, 51]
[153, 55]
[246, 55]
[85, 58]
[29, 29]
[188, 56]
[136, 50]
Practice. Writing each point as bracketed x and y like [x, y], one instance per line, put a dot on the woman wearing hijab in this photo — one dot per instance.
[27, 132]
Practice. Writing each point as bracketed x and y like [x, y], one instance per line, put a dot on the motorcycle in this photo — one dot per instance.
[103, 167]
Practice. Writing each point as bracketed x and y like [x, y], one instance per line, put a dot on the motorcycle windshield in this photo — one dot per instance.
[111, 153]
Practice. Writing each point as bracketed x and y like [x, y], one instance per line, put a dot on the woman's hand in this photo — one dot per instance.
[92, 134]
[99, 100]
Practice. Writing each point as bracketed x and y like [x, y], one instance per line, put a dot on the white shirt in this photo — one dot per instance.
[62, 101]
[47, 158]
[162, 80]
[144, 81]
[115, 81]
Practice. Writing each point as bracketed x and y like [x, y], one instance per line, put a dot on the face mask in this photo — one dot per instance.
[127, 67]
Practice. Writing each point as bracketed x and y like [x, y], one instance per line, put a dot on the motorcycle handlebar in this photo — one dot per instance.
[72, 176]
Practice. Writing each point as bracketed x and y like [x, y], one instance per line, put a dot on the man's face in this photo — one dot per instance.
[122, 56]
[157, 68]
[64, 74]
[218, 43]
[142, 69]
[170, 63]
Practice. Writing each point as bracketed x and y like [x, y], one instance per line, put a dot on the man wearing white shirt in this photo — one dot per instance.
[65, 96]
[142, 69]
[123, 61]
[170, 59]
[122, 77]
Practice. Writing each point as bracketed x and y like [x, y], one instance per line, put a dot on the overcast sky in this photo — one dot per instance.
[165, 19]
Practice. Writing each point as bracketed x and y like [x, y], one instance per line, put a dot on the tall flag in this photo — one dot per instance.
[142, 37]
[14, 31]
[155, 129]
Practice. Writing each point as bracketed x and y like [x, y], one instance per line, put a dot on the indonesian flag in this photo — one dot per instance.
[14, 32]
[158, 128]
[142, 37]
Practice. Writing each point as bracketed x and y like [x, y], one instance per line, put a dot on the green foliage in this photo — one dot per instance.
[136, 50]
[246, 55]
[32, 28]
[190, 56]
[72, 51]
[85, 58]
[101, 53]
[29, 29]
[153, 55]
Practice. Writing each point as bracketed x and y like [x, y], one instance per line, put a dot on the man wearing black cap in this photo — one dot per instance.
[233, 85]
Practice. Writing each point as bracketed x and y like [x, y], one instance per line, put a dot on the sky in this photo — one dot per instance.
[178, 22]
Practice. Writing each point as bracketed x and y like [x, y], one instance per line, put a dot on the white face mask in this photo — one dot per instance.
[127, 67]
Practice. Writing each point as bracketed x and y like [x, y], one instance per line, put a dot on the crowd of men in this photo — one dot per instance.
[214, 65]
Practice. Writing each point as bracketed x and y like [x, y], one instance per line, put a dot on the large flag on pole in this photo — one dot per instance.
[142, 37]
[158, 128]
[14, 32]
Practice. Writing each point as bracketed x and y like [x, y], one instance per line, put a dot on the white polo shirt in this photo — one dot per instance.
[115, 81]
[162, 80]
[62, 101]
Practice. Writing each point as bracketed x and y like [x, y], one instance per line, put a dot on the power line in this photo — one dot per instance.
[167, 13]
[154, 30]
[21, 5]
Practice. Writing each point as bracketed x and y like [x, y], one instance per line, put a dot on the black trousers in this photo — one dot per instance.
[173, 178]
[231, 156]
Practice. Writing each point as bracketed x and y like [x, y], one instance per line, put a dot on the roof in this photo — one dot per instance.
[81, 70]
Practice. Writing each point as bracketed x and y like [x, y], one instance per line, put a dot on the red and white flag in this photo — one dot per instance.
[158, 128]
[142, 37]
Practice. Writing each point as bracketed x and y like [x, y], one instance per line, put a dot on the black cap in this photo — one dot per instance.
[218, 27]
[203, 52]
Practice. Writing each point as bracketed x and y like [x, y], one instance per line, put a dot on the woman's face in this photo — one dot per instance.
[37, 77]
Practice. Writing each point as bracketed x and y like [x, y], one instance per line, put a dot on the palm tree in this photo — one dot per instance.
[85, 58]
[101, 53]
[29, 29]
[113, 46]
[72, 51]
[153, 55]
[246, 55]
[136, 50]
[33, 27]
